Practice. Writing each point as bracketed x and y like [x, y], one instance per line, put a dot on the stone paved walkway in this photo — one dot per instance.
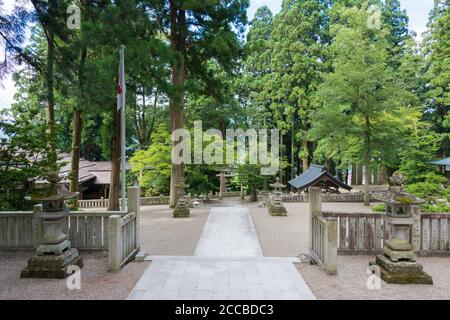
[228, 264]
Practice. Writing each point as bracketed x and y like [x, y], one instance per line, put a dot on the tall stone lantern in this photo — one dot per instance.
[398, 263]
[181, 210]
[276, 207]
[55, 254]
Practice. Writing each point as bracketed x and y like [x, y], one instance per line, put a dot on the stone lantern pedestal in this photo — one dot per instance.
[181, 210]
[276, 207]
[398, 263]
[55, 254]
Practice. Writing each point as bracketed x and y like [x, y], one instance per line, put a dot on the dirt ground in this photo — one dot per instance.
[288, 236]
[279, 237]
[351, 281]
[160, 235]
[96, 282]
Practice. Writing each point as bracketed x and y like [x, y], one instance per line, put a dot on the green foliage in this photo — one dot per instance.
[153, 165]
[200, 178]
[379, 207]
[437, 50]
[360, 97]
[435, 208]
[251, 179]
[23, 155]
[431, 188]
[419, 150]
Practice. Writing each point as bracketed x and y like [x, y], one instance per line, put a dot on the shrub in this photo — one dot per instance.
[379, 207]
[439, 207]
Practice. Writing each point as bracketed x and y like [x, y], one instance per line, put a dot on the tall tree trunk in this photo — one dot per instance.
[367, 157]
[293, 150]
[354, 170]
[114, 185]
[77, 127]
[50, 99]
[304, 145]
[281, 157]
[176, 101]
[383, 174]
[359, 174]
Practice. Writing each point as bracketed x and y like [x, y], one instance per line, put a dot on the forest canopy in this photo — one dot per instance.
[342, 92]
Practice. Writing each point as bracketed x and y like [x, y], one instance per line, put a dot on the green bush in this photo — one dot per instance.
[437, 208]
[379, 207]
[430, 189]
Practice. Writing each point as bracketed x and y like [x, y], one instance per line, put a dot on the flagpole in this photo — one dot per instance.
[122, 126]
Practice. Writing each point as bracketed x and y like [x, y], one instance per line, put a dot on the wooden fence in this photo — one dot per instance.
[103, 203]
[19, 230]
[324, 243]
[358, 233]
[116, 231]
[85, 230]
[362, 233]
[342, 197]
[124, 233]
[435, 234]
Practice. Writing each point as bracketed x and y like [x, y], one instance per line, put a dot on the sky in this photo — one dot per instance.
[417, 11]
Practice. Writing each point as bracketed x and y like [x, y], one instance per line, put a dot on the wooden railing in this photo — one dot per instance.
[358, 233]
[85, 230]
[435, 233]
[227, 194]
[89, 231]
[150, 201]
[343, 197]
[324, 242]
[363, 233]
[123, 234]
[103, 203]
[16, 230]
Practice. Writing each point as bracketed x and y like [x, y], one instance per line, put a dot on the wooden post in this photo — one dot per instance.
[222, 185]
[114, 243]
[416, 228]
[36, 226]
[315, 206]
[330, 246]
[134, 206]
[359, 174]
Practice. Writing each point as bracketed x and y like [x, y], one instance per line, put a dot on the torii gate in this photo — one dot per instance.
[223, 175]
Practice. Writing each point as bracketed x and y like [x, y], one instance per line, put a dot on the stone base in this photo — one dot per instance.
[277, 211]
[396, 255]
[52, 266]
[181, 212]
[55, 249]
[402, 272]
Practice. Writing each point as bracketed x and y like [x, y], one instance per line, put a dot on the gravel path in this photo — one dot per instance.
[350, 282]
[96, 282]
[160, 235]
[288, 236]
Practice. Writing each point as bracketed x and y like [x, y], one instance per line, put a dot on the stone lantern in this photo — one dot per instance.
[398, 263]
[181, 210]
[276, 207]
[55, 254]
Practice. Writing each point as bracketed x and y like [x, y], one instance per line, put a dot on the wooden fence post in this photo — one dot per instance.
[134, 205]
[315, 206]
[114, 243]
[330, 245]
[416, 229]
[36, 226]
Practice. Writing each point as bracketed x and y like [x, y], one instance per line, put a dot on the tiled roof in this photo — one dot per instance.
[313, 175]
